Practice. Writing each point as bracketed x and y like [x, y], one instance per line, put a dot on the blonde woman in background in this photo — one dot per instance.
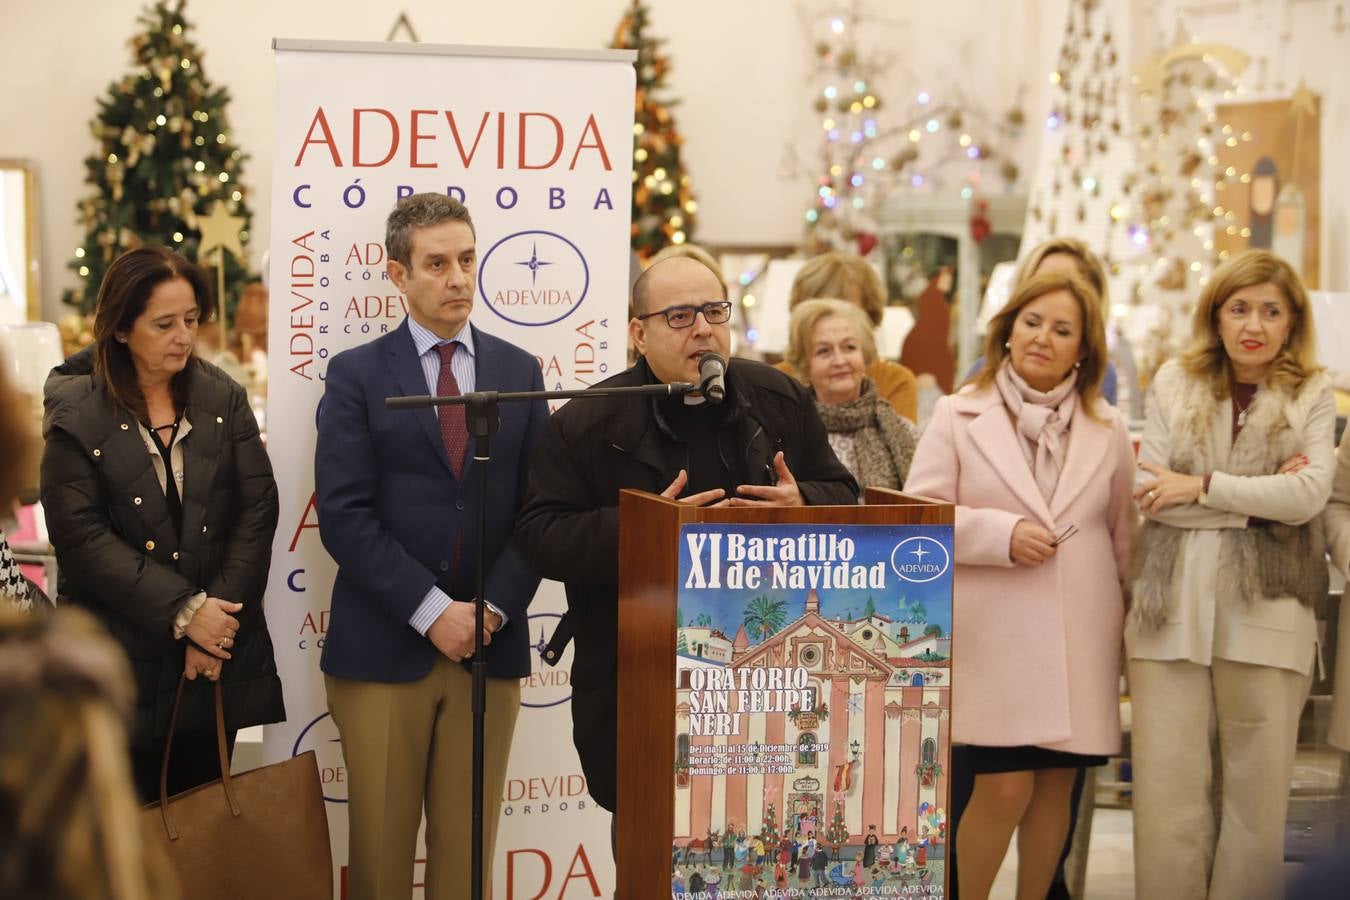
[830, 346]
[69, 820]
[849, 277]
[1235, 466]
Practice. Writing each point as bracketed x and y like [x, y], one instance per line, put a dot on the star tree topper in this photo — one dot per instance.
[220, 229]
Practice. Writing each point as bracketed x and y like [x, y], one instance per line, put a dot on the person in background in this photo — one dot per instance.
[1068, 256]
[70, 823]
[161, 505]
[1041, 469]
[16, 450]
[1337, 521]
[830, 346]
[1236, 464]
[849, 277]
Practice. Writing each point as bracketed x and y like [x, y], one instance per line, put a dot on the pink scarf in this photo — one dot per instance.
[1042, 420]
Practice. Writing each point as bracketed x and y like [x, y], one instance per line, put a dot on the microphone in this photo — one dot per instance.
[712, 370]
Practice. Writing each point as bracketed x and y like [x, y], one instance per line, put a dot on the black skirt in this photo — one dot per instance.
[982, 760]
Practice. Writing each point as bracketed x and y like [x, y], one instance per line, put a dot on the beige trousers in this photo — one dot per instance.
[407, 746]
[1181, 712]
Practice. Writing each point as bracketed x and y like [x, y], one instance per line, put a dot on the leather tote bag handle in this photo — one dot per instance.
[171, 826]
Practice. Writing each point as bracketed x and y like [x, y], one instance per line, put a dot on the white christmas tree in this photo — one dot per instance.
[1176, 194]
[866, 145]
[1079, 189]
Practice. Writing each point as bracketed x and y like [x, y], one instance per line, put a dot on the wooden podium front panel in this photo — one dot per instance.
[648, 557]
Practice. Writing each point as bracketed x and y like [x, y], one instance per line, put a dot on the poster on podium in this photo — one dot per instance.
[812, 725]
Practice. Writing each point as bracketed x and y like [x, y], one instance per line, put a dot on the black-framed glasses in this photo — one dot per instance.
[714, 313]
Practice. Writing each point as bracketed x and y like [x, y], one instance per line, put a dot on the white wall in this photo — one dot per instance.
[740, 72]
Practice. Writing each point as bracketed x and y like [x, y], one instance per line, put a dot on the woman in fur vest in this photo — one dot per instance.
[830, 347]
[1236, 465]
[1041, 470]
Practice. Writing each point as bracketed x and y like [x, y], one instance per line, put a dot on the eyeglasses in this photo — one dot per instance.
[714, 313]
[1063, 534]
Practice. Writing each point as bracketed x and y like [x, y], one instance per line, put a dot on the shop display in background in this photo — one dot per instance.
[164, 158]
[866, 146]
[1270, 154]
[664, 208]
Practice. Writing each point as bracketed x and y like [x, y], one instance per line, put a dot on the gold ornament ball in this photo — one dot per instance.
[822, 104]
[822, 49]
[848, 58]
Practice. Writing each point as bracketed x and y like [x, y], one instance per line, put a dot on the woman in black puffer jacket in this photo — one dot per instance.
[161, 505]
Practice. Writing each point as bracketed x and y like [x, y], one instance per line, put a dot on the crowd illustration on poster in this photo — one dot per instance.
[812, 712]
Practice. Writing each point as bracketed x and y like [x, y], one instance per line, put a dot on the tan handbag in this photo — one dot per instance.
[262, 833]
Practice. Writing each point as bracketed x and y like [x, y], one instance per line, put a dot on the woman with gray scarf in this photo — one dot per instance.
[830, 346]
[1236, 464]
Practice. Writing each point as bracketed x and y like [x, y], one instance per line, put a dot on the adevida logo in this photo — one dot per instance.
[533, 278]
[546, 685]
[321, 736]
[920, 559]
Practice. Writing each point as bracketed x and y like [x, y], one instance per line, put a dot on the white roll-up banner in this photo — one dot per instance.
[538, 144]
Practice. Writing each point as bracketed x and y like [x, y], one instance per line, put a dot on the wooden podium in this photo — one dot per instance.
[648, 589]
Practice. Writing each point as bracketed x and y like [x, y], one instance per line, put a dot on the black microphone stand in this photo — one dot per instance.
[482, 420]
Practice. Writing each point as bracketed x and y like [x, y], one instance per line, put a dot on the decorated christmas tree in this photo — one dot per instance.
[1176, 193]
[664, 208]
[1079, 188]
[866, 147]
[837, 833]
[164, 158]
[768, 829]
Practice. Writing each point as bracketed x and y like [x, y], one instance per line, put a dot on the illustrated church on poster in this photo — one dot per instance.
[882, 700]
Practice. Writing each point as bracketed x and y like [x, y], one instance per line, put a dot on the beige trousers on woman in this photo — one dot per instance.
[1180, 711]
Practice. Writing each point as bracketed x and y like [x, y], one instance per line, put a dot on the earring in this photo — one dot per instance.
[1078, 365]
[1007, 345]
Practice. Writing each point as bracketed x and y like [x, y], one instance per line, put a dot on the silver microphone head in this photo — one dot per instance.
[711, 372]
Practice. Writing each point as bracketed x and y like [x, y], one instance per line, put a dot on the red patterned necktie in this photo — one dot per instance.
[454, 431]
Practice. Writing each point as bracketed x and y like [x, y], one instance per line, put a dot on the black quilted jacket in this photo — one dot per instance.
[120, 558]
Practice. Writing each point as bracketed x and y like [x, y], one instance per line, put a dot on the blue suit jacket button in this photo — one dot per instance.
[445, 566]
[459, 504]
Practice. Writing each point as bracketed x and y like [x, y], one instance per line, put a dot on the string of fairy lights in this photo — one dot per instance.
[862, 158]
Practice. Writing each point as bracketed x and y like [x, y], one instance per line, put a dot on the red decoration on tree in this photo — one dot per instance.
[867, 241]
[979, 221]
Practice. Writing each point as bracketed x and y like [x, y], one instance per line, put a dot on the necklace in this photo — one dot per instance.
[1242, 411]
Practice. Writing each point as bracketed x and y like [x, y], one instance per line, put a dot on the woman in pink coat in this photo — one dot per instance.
[1041, 470]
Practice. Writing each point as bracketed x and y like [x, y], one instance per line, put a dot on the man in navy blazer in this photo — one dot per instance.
[398, 501]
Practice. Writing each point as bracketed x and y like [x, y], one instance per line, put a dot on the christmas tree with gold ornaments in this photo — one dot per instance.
[164, 160]
[664, 208]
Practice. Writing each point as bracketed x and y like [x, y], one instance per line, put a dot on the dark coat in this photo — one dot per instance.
[569, 527]
[120, 557]
[391, 510]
